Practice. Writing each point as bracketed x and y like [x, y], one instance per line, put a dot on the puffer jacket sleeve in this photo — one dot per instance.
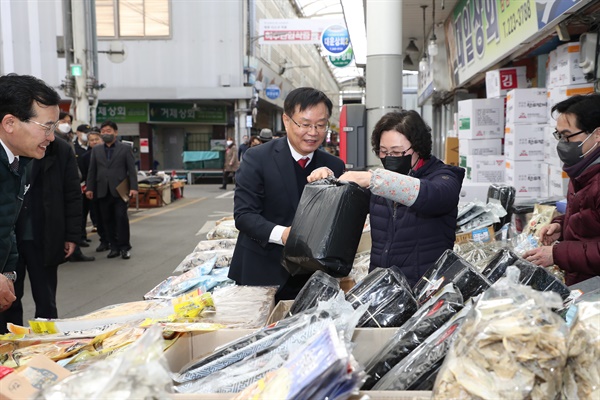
[439, 194]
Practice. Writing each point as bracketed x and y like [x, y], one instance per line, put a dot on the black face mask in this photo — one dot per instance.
[401, 165]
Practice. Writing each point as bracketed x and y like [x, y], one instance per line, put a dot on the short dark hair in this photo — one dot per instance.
[410, 124]
[109, 123]
[64, 114]
[18, 92]
[586, 109]
[305, 97]
[93, 132]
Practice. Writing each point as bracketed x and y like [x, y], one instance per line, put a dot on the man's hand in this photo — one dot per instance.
[285, 234]
[89, 195]
[362, 178]
[132, 193]
[541, 256]
[319, 173]
[69, 249]
[7, 293]
[550, 233]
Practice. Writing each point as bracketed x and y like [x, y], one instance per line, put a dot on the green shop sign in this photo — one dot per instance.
[342, 60]
[122, 112]
[185, 112]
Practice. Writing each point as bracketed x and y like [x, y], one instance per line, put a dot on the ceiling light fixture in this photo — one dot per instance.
[433, 47]
[408, 62]
[424, 63]
[412, 47]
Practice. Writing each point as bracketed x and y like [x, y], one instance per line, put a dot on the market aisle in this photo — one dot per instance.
[161, 238]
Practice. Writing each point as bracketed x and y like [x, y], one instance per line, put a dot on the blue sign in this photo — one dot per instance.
[273, 92]
[335, 39]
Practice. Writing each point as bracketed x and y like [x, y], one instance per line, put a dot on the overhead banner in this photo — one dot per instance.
[481, 32]
[286, 31]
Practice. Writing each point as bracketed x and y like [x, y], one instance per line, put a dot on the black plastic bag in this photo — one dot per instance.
[391, 300]
[432, 315]
[320, 287]
[496, 268]
[326, 229]
[450, 268]
[505, 195]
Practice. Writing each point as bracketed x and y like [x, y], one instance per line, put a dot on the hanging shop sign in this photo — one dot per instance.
[342, 60]
[122, 112]
[302, 31]
[273, 92]
[335, 39]
[187, 112]
[482, 32]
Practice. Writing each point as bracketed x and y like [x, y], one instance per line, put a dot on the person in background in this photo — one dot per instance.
[255, 141]
[414, 197]
[82, 148]
[94, 139]
[64, 128]
[572, 241]
[47, 229]
[265, 135]
[28, 118]
[269, 184]
[243, 147]
[231, 163]
[111, 165]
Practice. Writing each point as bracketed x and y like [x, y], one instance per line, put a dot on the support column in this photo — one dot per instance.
[80, 101]
[384, 65]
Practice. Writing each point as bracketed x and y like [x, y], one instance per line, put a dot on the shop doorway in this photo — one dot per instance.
[173, 141]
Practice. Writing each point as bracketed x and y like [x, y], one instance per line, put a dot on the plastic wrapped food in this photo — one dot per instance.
[512, 346]
[542, 215]
[431, 316]
[360, 268]
[319, 287]
[505, 195]
[582, 373]
[222, 259]
[390, 299]
[422, 362]
[215, 244]
[224, 229]
[326, 229]
[478, 254]
[496, 267]
[450, 268]
[175, 286]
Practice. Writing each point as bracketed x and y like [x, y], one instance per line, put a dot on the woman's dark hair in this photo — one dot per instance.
[584, 107]
[410, 124]
[63, 114]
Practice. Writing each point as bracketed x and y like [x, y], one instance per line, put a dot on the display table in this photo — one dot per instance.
[152, 195]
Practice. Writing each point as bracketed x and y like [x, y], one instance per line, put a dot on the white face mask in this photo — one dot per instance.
[84, 137]
[229, 143]
[64, 127]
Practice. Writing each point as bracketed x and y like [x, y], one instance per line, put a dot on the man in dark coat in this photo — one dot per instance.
[269, 184]
[28, 117]
[47, 229]
[112, 165]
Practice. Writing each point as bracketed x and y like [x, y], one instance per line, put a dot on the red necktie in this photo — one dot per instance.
[303, 161]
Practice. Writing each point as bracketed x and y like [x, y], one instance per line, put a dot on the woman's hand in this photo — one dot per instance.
[362, 178]
[319, 173]
[550, 233]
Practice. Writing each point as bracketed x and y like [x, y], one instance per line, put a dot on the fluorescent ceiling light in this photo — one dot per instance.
[354, 14]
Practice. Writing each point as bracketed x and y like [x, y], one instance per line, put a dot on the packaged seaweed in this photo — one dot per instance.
[505, 195]
[390, 299]
[432, 315]
[495, 269]
[426, 358]
[511, 346]
[320, 287]
[450, 268]
[327, 228]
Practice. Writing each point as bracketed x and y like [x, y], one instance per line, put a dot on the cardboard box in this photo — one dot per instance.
[480, 147]
[550, 152]
[488, 169]
[473, 191]
[558, 182]
[451, 151]
[526, 178]
[545, 175]
[39, 373]
[557, 94]
[524, 142]
[482, 235]
[499, 81]
[481, 119]
[552, 70]
[567, 60]
[527, 106]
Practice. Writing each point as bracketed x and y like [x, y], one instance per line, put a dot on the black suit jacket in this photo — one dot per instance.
[267, 195]
[105, 175]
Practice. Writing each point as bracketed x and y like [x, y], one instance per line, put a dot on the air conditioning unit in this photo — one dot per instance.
[588, 55]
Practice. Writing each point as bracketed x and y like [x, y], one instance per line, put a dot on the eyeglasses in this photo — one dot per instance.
[565, 138]
[383, 153]
[48, 129]
[321, 128]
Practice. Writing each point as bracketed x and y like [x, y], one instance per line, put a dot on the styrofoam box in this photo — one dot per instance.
[527, 106]
[480, 147]
[473, 191]
[485, 168]
[569, 72]
[499, 81]
[552, 70]
[550, 152]
[525, 177]
[524, 142]
[481, 119]
[559, 182]
[545, 175]
[560, 93]
[195, 345]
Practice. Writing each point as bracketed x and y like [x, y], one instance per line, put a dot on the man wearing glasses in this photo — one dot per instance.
[28, 117]
[269, 184]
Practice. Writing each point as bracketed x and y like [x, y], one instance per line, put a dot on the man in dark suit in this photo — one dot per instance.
[112, 164]
[269, 184]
